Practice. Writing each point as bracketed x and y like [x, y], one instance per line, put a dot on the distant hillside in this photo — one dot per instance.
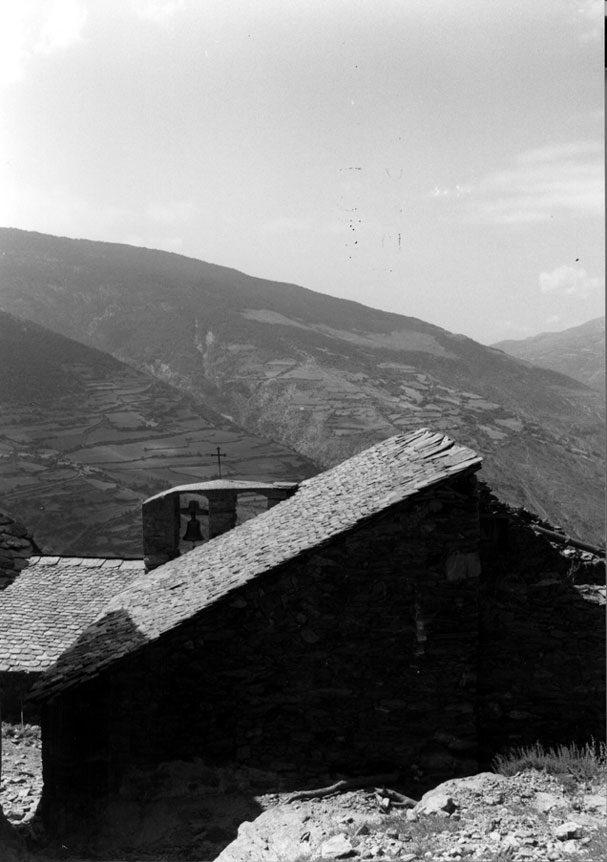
[324, 376]
[578, 352]
[85, 438]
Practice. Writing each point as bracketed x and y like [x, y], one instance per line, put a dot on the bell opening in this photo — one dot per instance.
[193, 532]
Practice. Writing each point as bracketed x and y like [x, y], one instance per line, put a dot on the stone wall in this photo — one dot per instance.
[382, 650]
[357, 657]
[11, 845]
[16, 547]
[15, 687]
[541, 640]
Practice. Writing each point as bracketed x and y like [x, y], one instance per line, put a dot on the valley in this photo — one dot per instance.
[323, 377]
[84, 439]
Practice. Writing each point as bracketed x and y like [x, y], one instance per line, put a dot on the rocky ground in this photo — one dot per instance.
[528, 816]
[21, 776]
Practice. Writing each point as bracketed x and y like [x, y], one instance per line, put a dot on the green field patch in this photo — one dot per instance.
[413, 393]
[18, 435]
[184, 477]
[397, 366]
[512, 424]
[100, 513]
[35, 429]
[127, 496]
[144, 464]
[168, 444]
[192, 423]
[127, 419]
[57, 474]
[443, 424]
[127, 452]
[406, 421]
[72, 431]
[101, 486]
[66, 443]
[104, 435]
[481, 404]
[202, 472]
[260, 469]
[9, 483]
[100, 455]
[350, 427]
[31, 468]
[493, 433]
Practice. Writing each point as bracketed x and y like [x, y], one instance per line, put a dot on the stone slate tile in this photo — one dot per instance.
[51, 602]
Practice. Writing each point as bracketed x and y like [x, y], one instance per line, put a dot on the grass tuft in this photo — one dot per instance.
[587, 762]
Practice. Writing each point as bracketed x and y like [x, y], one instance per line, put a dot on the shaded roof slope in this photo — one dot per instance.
[323, 507]
[51, 602]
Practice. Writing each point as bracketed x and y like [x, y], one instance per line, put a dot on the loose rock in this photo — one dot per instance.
[337, 847]
[570, 829]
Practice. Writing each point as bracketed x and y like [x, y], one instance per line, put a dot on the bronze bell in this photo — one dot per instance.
[193, 532]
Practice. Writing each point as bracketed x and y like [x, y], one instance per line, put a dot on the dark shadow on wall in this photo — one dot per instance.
[15, 687]
[173, 709]
[541, 667]
[174, 810]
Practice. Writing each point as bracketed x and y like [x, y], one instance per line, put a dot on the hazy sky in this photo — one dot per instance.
[437, 158]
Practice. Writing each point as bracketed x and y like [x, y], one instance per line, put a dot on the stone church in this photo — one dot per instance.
[385, 614]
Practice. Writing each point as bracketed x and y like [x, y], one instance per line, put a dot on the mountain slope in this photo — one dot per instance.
[85, 438]
[578, 351]
[325, 376]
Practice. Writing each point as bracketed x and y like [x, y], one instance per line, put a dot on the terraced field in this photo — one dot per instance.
[75, 465]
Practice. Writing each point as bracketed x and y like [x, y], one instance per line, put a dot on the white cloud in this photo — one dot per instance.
[560, 152]
[563, 180]
[158, 10]
[171, 212]
[589, 15]
[455, 192]
[62, 26]
[514, 330]
[553, 320]
[569, 281]
[286, 224]
[36, 27]
[12, 42]
[57, 209]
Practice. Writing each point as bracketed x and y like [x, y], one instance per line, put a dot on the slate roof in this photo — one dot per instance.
[323, 507]
[51, 602]
[236, 485]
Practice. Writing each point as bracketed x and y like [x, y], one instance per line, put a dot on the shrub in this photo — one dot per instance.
[584, 762]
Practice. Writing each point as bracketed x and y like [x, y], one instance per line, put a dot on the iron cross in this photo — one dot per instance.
[219, 455]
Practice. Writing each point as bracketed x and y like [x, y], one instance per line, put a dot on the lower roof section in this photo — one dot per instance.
[52, 601]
